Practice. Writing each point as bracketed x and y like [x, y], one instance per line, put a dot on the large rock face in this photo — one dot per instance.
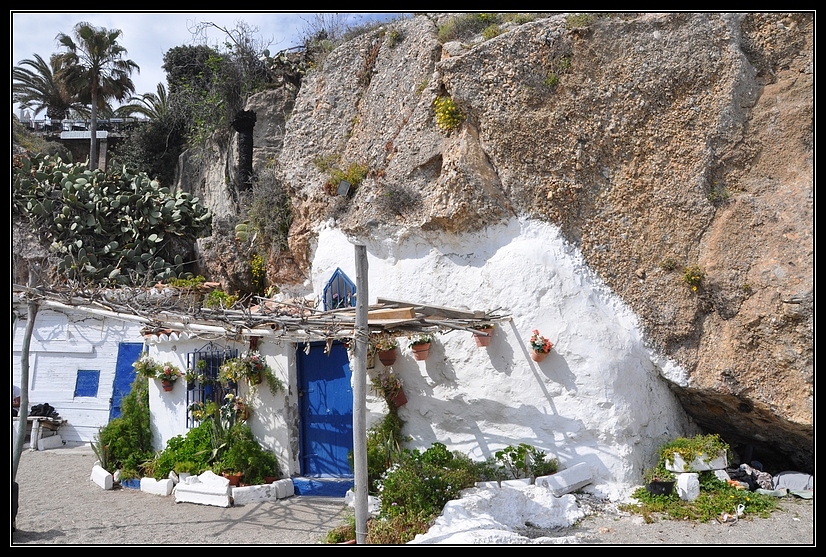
[669, 141]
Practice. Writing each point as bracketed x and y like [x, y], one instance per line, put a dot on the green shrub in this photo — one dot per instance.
[693, 276]
[466, 26]
[525, 461]
[128, 438]
[195, 449]
[397, 529]
[422, 483]
[577, 21]
[491, 31]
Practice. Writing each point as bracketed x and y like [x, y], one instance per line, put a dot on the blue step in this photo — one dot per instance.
[322, 487]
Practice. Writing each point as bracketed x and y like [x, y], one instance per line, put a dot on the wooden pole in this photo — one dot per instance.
[361, 339]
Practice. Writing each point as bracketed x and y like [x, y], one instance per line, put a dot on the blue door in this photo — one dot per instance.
[128, 354]
[326, 397]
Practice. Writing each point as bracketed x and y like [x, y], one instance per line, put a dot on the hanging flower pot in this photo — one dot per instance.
[167, 385]
[400, 399]
[388, 357]
[255, 378]
[540, 345]
[420, 345]
[421, 351]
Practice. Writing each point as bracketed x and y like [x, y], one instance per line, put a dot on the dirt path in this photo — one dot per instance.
[59, 504]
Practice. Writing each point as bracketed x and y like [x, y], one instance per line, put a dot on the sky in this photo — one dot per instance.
[148, 35]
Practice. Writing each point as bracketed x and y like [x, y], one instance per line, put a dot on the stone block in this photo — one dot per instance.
[518, 483]
[568, 480]
[206, 489]
[101, 477]
[488, 485]
[284, 488]
[253, 493]
[688, 486]
[699, 464]
[157, 487]
[49, 442]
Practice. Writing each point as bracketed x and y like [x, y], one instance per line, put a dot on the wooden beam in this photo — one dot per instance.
[436, 311]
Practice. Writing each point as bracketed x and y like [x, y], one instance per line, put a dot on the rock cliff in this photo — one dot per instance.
[656, 142]
[674, 150]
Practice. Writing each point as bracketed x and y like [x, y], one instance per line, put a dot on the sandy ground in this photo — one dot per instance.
[59, 504]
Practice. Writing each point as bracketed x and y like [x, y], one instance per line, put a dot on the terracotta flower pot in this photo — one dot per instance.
[400, 399]
[387, 357]
[255, 379]
[483, 340]
[234, 479]
[538, 356]
[167, 385]
[420, 351]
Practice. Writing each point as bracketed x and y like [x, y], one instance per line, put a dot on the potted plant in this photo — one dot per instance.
[146, 366]
[659, 480]
[484, 339]
[388, 385]
[540, 346]
[251, 367]
[695, 454]
[420, 345]
[386, 347]
[168, 374]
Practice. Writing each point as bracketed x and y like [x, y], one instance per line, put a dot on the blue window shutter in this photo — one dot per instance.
[87, 382]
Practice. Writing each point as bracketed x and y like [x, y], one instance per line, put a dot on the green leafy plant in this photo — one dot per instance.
[128, 438]
[491, 31]
[218, 299]
[689, 448]
[101, 451]
[668, 264]
[147, 367]
[252, 367]
[659, 473]
[343, 533]
[423, 482]
[693, 276]
[525, 461]
[353, 175]
[448, 115]
[388, 385]
[716, 497]
[106, 228]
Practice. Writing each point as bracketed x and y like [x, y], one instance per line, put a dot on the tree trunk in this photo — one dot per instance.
[93, 131]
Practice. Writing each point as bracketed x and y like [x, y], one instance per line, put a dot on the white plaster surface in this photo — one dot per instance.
[601, 397]
[495, 516]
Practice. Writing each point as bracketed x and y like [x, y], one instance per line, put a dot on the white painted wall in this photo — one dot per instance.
[274, 417]
[64, 342]
[600, 397]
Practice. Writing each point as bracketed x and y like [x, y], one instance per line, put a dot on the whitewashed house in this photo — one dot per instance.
[79, 362]
[601, 397]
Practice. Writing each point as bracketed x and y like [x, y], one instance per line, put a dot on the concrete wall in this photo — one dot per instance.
[62, 344]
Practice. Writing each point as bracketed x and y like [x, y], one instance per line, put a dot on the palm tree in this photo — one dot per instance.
[95, 66]
[153, 106]
[39, 85]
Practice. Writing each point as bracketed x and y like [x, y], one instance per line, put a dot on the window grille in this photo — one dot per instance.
[340, 292]
[206, 362]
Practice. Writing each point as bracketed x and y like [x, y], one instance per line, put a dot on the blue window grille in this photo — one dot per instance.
[340, 292]
[206, 362]
[87, 382]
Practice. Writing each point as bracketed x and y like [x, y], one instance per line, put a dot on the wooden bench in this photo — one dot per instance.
[36, 425]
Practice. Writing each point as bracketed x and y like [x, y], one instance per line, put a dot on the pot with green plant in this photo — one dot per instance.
[388, 385]
[168, 375]
[695, 454]
[252, 367]
[420, 345]
[387, 349]
[659, 480]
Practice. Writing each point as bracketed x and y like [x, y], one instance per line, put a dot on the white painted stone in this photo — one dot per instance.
[253, 493]
[157, 487]
[490, 485]
[568, 480]
[490, 516]
[49, 442]
[373, 503]
[102, 477]
[210, 492]
[517, 483]
[688, 486]
[699, 464]
[284, 488]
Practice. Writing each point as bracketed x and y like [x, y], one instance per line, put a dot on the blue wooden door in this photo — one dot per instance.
[128, 353]
[326, 396]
